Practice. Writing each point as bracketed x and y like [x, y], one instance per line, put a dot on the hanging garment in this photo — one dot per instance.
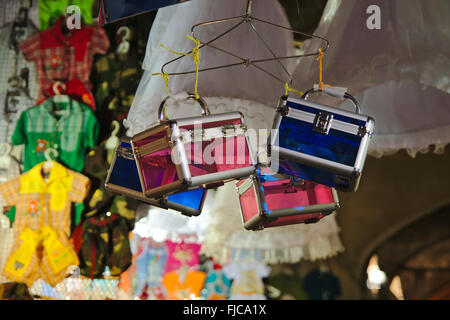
[187, 289]
[50, 10]
[42, 220]
[217, 285]
[45, 253]
[393, 71]
[117, 76]
[65, 59]
[39, 203]
[71, 126]
[150, 263]
[6, 242]
[8, 57]
[14, 291]
[322, 285]
[181, 254]
[105, 244]
[247, 280]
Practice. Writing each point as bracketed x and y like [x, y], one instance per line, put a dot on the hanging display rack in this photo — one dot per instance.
[247, 18]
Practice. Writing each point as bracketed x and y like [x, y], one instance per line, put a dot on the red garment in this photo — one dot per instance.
[65, 58]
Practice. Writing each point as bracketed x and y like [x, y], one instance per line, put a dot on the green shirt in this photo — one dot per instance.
[69, 127]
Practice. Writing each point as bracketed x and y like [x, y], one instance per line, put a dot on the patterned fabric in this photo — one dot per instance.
[247, 280]
[8, 57]
[117, 77]
[150, 262]
[217, 286]
[45, 253]
[190, 288]
[70, 128]
[105, 244]
[62, 58]
[49, 10]
[182, 254]
[39, 203]
[6, 243]
[14, 291]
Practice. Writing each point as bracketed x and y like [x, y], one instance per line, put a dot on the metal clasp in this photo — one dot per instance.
[126, 153]
[322, 122]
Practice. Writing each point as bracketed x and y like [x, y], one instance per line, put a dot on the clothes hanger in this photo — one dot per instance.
[58, 97]
[246, 18]
[48, 164]
[124, 34]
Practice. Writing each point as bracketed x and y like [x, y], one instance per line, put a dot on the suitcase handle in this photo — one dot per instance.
[201, 102]
[346, 95]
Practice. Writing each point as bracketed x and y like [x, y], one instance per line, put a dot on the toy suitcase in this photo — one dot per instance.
[190, 153]
[320, 143]
[272, 200]
[123, 178]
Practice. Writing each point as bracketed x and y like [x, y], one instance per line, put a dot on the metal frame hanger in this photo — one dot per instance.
[247, 18]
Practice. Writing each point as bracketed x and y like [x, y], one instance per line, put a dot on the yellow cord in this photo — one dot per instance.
[194, 56]
[287, 88]
[165, 77]
[320, 58]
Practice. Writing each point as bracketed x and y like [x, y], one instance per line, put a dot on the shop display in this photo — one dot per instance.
[123, 178]
[63, 59]
[147, 155]
[320, 143]
[43, 218]
[217, 284]
[68, 126]
[105, 243]
[247, 280]
[269, 200]
[190, 153]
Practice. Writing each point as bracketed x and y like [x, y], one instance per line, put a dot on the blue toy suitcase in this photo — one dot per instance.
[320, 143]
[123, 178]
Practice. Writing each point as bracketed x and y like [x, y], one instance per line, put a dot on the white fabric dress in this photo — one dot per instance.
[399, 73]
[249, 91]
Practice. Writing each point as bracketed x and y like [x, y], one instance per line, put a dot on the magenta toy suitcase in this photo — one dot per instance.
[190, 153]
[273, 200]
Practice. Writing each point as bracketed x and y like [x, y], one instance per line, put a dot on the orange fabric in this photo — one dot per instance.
[191, 287]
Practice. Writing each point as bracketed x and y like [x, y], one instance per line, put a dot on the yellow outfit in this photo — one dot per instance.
[42, 222]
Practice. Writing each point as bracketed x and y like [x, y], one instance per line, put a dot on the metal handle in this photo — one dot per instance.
[346, 95]
[201, 102]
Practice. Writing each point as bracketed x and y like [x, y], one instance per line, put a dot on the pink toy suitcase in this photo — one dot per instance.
[273, 200]
[190, 153]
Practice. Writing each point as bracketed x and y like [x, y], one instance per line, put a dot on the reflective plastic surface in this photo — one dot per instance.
[192, 199]
[125, 173]
[158, 169]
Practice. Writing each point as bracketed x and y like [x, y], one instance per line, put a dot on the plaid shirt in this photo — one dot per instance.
[72, 134]
[62, 58]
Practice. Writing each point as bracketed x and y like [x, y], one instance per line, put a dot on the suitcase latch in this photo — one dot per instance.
[322, 122]
[126, 153]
